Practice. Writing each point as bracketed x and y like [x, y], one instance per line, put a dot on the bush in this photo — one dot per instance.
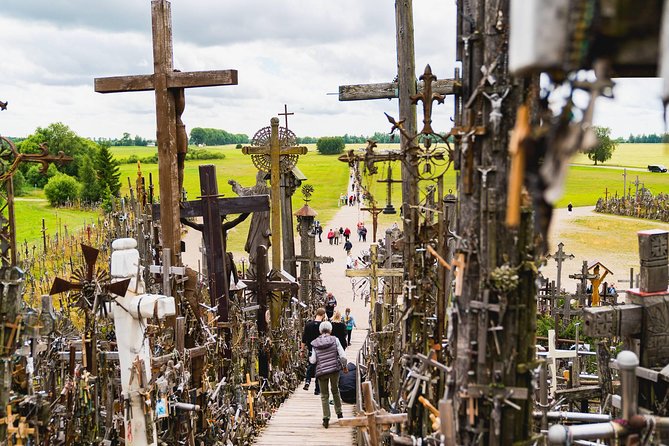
[20, 183]
[61, 189]
[330, 145]
[238, 146]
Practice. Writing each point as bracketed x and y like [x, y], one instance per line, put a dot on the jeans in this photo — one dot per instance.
[333, 380]
[311, 371]
[348, 336]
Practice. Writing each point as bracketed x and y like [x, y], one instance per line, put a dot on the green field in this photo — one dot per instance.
[584, 185]
[633, 155]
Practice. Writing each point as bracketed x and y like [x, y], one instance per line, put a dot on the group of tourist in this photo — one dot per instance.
[644, 205]
[325, 339]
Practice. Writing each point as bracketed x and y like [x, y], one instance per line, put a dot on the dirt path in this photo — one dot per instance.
[618, 256]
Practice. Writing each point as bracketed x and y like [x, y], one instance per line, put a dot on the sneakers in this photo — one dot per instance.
[326, 422]
[306, 386]
[340, 415]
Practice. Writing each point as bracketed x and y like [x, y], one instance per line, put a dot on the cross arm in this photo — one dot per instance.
[389, 90]
[262, 150]
[177, 79]
[380, 272]
[233, 205]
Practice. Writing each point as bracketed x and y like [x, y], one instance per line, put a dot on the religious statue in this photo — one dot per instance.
[495, 115]
[596, 282]
[259, 231]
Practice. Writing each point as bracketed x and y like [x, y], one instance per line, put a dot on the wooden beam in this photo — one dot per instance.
[389, 90]
[380, 272]
[177, 79]
[232, 205]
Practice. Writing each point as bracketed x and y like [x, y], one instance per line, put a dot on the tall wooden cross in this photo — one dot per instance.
[275, 150]
[389, 209]
[375, 211]
[212, 208]
[168, 85]
[373, 273]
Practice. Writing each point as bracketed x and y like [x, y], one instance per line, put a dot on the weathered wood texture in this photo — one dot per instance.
[389, 90]
[177, 79]
[298, 421]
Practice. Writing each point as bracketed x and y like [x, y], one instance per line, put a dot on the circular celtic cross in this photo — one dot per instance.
[262, 161]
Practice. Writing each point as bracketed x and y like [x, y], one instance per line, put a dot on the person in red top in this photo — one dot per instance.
[331, 236]
[347, 233]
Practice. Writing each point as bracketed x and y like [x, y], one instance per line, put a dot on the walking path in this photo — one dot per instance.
[298, 420]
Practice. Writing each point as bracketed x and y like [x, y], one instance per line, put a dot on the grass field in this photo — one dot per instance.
[584, 185]
[633, 155]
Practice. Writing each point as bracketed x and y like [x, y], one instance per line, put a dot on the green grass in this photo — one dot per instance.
[29, 215]
[633, 155]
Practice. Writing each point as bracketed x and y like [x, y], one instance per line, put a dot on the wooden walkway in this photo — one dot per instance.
[298, 421]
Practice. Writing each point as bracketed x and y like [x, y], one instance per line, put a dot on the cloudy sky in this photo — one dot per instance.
[291, 52]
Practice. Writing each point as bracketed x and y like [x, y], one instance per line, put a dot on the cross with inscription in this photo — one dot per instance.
[168, 85]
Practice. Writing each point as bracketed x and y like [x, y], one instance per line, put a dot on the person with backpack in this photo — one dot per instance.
[347, 233]
[347, 247]
[328, 356]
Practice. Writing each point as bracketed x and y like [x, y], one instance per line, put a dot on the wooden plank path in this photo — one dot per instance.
[298, 421]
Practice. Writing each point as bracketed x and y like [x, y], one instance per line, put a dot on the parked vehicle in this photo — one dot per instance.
[656, 168]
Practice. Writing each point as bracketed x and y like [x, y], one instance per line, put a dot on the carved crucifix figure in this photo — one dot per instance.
[168, 85]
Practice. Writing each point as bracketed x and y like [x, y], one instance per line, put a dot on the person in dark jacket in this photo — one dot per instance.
[347, 247]
[328, 355]
[347, 384]
[310, 333]
[330, 304]
[339, 329]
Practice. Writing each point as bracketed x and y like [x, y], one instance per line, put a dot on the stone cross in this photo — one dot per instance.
[373, 273]
[275, 151]
[168, 85]
[129, 314]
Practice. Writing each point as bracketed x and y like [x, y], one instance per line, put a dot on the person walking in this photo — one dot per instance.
[319, 231]
[328, 356]
[347, 233]
[331, 236]
[339, 329]
[350, 323]
[310, 333]
[347, 247]
[363, 232]
[330, 304]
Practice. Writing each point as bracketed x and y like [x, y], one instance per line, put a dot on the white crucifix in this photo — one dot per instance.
[553, 356]
[129, 314]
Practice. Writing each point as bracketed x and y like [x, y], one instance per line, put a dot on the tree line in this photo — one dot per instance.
[652, 138]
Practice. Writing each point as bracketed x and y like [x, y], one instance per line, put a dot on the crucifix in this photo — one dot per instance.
[583, 277]
[212, 208]
[373, 273]
[560, 256]
[168, 85]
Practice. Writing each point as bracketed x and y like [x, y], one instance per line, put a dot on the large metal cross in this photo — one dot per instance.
[168, 85]
[275, 150]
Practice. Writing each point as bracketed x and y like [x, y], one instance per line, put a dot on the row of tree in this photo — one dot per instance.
[124, 141]
[215, 137]
[652, 138]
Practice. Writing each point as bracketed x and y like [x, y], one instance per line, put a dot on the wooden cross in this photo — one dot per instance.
[263, 289]
[465, 135]
[636, 185]
[212, 208]
[583, 277]
[249, 394]
[285, 114]
[373, 418]
[373, 273]
[553, 355]
[9, 420]
[375, 211]
[517, 173]
[168, 85]
[606, 195]
[275, 150]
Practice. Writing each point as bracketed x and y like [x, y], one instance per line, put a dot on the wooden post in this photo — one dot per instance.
[275, 155]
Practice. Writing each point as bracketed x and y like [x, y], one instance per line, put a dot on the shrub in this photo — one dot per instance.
[60, 189]
[20, 183]
[330, 145]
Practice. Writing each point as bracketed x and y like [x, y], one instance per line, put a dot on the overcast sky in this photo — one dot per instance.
[291, 52]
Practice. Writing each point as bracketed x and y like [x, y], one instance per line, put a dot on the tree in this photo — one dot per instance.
[107, 170]
[61, 189]
[91, 192]
[330, 145]
[605, 147]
